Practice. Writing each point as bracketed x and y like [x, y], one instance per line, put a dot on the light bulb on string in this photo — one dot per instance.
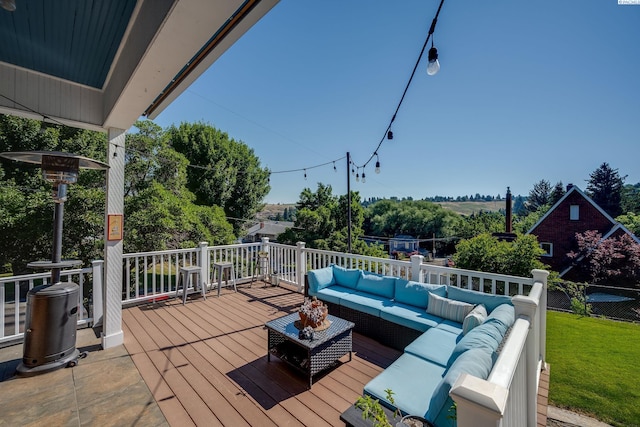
[434, 65]
[334, 166]
[305, 174]
[364, 179]
[377, 170]
[358, 175]
[390, 135]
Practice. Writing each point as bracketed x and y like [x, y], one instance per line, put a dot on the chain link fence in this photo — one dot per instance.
[596, 300]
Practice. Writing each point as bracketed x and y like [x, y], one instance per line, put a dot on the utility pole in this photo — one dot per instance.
[348, 203]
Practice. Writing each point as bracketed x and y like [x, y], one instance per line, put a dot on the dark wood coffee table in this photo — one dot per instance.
[309, 356]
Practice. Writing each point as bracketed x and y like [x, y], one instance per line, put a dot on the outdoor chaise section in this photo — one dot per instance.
[444, 331]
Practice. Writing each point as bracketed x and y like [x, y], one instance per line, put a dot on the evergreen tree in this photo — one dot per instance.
[605, 188]
[539, 196]
[556, 193]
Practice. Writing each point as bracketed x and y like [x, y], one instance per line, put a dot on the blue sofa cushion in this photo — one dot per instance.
[503, 316]
[435, 345]
[487, 336]
[476, 362]
[364, 302]
[333, 293]
[409, 316]
[448, 308]
[474, 318]
[346, 277]
[415, 293]
[490, 301]
[411, 379]
[450, 326]
[319, 279]
[376, 284]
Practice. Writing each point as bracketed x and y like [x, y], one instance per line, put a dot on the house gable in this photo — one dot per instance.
[574, 213]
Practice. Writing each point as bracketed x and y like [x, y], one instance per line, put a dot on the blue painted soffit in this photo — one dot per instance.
[75, 40]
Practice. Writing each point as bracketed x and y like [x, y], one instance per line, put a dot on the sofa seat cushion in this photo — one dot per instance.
[409, 316]
[333, 293]
[435, 345]
[490, 301]
[476, 362]
[319, 279]
[376, 284]
[346, 277]
[415, 293]
[450, 326]
[412, 379]
[448, 308]
[364, 302]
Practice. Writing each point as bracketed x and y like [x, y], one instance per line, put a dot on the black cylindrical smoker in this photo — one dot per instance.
[52, 309]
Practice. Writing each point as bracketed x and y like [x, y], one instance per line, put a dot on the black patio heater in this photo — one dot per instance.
[52, 309]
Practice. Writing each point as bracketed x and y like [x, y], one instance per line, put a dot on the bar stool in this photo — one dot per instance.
[224, 267]
[186, 280]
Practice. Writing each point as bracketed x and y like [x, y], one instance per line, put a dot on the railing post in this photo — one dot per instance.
[542, 276]
[416, 271]
[301, 265]
[98, 300]
[479, 403]
[527, 306]
[203, 255]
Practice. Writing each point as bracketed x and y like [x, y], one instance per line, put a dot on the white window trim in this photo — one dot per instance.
[547, 253]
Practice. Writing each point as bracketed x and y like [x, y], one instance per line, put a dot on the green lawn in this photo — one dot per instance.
[595, 367]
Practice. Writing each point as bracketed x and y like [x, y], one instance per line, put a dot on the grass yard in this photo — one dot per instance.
[595, 367]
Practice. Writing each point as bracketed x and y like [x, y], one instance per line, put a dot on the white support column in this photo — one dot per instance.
[416, 271]
[98, 300]
[112, 334]
[301, 265]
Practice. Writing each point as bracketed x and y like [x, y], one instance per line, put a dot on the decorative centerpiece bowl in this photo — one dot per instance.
[312, 313]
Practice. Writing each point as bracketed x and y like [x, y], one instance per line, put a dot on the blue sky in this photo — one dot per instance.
[534, 90]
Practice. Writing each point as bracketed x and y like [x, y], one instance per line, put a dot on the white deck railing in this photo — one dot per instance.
[13, 297]
[507, 398]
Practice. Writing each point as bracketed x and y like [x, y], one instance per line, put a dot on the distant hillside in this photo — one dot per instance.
[468, 208]
[463, 208]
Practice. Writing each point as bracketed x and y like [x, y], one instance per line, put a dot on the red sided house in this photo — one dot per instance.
[574, 213]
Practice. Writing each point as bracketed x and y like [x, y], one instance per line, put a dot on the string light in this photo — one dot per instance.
[377, 170]
[364, 179]
[390, 135]
[305, 174]
[334, 166]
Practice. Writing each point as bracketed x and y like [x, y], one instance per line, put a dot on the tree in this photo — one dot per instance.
[605, 188]
[557, 193]
[630, 198]
[631, 221]
[482, 222]
[224, 172]
[539, 196]
[321, 222]
[613, 258]
[487, 253]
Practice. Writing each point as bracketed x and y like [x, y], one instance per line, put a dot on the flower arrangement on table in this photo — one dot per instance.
[312, 312]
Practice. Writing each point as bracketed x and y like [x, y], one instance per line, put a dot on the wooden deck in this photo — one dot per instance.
[205, 363]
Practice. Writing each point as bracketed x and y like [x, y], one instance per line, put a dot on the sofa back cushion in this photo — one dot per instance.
[415, 293]
[376, 284]
[448, 308]
[476, 362]
[474, 318]
[503, 317]
[487, 336]
[346, 277]
[319, 279]
[490, 301]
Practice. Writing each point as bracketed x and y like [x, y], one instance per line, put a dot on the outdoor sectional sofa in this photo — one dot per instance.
[443, 331]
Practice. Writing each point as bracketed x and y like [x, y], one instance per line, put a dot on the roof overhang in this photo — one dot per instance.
[165, 46]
